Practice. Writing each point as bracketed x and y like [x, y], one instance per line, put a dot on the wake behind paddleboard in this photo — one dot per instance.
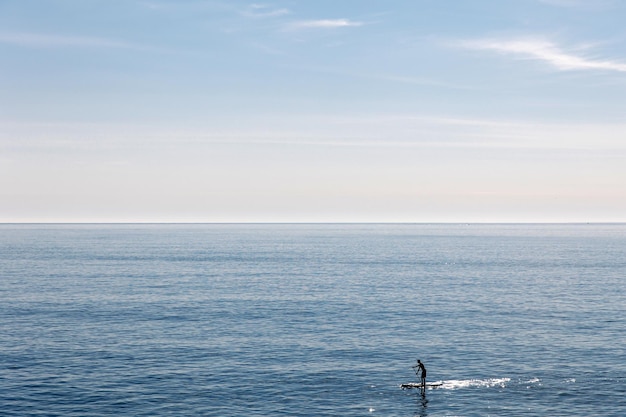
[419, 385]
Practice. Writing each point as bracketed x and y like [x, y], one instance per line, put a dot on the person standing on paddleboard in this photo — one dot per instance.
[422, 368]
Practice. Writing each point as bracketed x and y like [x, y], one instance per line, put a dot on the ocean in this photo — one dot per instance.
[312, 319]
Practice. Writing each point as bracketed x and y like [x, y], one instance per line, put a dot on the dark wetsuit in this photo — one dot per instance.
[423, 369]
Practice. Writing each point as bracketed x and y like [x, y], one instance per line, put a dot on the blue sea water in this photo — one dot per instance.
[312, 320]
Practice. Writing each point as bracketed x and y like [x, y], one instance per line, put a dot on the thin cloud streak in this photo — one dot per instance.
[399, 131]
[38, 40]
[580, 4]
[323, 24]
[395, 78]
[544, 51]
[260, 11]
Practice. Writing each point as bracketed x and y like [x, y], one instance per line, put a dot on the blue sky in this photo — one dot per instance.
[321, 111]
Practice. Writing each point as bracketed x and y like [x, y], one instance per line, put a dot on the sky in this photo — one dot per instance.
[312, 111]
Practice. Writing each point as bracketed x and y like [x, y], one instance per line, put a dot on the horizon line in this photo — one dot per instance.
[320, 223]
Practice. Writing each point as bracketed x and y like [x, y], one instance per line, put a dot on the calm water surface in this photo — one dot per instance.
[312, 320]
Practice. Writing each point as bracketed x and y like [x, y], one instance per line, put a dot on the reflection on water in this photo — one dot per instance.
[422, 404]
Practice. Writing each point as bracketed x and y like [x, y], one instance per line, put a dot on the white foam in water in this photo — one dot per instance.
[530, 383]
[469, 383]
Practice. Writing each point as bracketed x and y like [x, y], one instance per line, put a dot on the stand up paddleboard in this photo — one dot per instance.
[419, 385]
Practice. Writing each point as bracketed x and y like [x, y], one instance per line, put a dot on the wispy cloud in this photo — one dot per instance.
[389, 131]
[38, 40]
[419, 81]
[323, 24]
[261, 11]
[546, 51]
[580, 4]
[387, 77]
[563, 3]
